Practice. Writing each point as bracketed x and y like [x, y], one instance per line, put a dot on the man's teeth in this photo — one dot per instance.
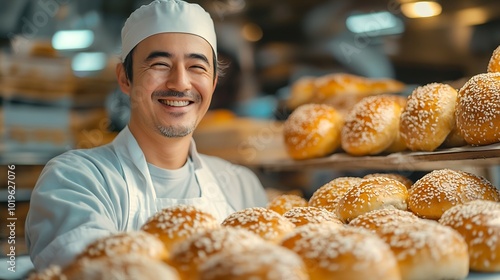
[174, 103]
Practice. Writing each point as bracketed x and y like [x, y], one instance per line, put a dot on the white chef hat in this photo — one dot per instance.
[162, 16]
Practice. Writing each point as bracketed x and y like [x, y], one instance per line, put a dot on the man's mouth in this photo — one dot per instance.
[174, 103]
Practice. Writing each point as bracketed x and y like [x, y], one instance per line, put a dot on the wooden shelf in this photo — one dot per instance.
[482, 156]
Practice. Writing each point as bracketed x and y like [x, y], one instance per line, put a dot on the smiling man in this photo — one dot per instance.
[169, 69]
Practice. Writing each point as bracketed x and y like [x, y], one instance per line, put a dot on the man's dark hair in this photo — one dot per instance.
[219, 66]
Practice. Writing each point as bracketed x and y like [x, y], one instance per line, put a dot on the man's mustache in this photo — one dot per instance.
[178, 94]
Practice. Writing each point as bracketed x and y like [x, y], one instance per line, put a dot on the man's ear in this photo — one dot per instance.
[123, 81]
[216, 80]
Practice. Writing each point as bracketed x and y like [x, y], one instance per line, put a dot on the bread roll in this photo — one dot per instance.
[478, 107]
[175, 224]
[425, 249]
[285, 202]
[399, 143]
[338, 84]
[328, 195]
[375, 219]
[428, 117]
[339, 90]
[342, 91]
[194, 251]
[312, 131]
[333, 252]
[494, 63]
[439, 190]
[401, 178]
[371, 126]
[263, 261]
[479, 223]
[53, 272]
[264, 222]
[372, 194]
[134, 242]
[272, 193]
[301, 92]
[120, 267]
[454, 139]
[300, 216]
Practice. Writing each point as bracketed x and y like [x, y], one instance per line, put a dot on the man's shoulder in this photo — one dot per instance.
[82, 164]
[101, 154]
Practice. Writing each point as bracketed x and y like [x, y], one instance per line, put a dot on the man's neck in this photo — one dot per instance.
[161, 151]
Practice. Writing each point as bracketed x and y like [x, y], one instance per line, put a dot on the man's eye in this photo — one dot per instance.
[201, 67]
[158, 65]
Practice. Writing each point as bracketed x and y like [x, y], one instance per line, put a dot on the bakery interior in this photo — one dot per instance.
[58, 88]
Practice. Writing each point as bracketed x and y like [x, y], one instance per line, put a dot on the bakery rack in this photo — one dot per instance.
[476, 156]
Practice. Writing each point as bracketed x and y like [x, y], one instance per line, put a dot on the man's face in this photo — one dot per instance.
[173, 83]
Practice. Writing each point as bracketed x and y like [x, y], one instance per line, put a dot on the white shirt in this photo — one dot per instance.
[83, 195]
[175, 183]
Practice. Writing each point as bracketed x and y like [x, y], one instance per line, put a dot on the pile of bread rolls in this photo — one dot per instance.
[433, 116]
[339, 90]
[380, 226]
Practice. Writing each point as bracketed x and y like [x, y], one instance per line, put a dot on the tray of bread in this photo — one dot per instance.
[435, 124]
[445, 225]
[457, 157]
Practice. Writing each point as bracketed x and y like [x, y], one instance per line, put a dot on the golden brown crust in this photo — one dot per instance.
[301, 92]
[194, 251]
[372, 126]
[375, 219]
[339, 90]
[175, 224]
[333, 252]
[425, 249]
[328, 195]
[311, 131]
[479, 223]
[300, 216]
[340, 84]
[403, 179]
[263, 261]
[441, 189]
[478, 107]
[399, 143]
[371, 194]
[123, 267]
[428, 117]
[53, 272]
[454, 139]
[264, 222]
[494, 63]
[282, 203]
[134, 242]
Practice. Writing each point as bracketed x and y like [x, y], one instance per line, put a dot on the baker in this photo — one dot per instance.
[169, 69]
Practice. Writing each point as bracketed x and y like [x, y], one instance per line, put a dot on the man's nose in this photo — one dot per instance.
[178, 79]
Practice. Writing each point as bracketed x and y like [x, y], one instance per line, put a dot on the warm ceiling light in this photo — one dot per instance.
[251, 32]
[421, 9]
[472, 16]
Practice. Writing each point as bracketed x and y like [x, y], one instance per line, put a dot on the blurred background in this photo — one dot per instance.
[57, 61]
[57, 57]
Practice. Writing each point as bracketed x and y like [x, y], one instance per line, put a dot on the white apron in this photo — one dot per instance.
[142, 199]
